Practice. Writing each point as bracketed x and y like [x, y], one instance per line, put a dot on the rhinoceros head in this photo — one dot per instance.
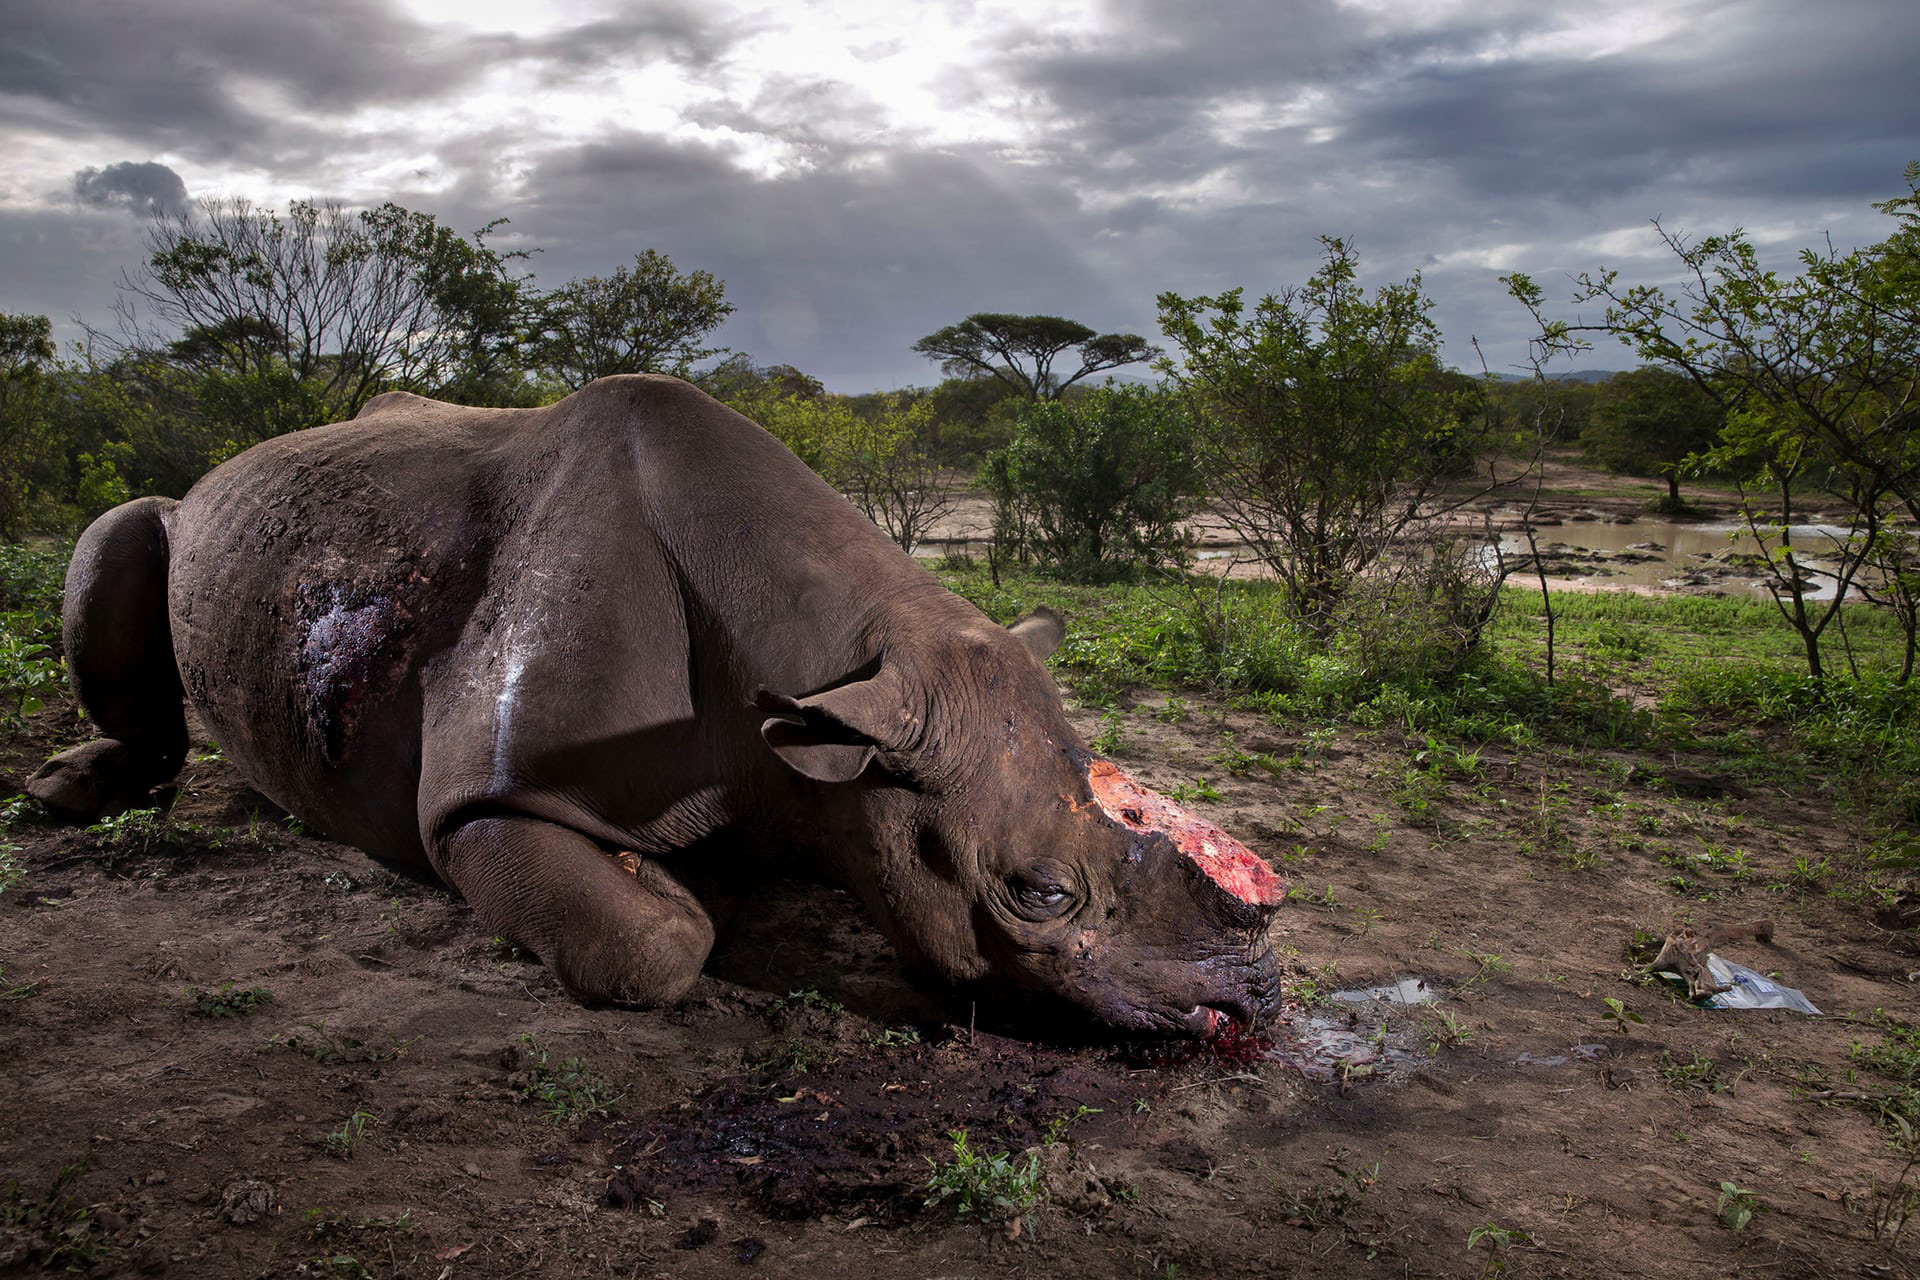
[998, 852]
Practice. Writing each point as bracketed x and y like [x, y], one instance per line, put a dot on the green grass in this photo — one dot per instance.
[229, 1001]
[994, 1187]
[1669, 634]
[32, 577]
[1897, 1058]
[55, 1229]
[143, 831]
[31, 580]
[563, 1088]
[1726, 675]
[342, 1142]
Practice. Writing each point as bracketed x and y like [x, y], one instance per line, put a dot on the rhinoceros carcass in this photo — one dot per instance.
[570, 658]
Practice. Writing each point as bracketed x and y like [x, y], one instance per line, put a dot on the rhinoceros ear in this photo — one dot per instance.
[1041, 631]
[831, 736]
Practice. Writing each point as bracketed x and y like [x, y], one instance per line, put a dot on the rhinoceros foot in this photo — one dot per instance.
[98, 779]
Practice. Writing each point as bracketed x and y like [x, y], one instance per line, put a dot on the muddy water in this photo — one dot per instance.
[1584, 549]
[1642, 553]
[1658, 554]
[1363, 1035]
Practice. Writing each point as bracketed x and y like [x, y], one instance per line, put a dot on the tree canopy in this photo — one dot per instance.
[26, 350]
[649, 318]
[1099, 484]
[1649, 421]
[342, 303]
[1020, 351]
[1328, 422]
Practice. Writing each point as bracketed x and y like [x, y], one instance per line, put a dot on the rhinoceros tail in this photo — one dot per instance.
[120, 657]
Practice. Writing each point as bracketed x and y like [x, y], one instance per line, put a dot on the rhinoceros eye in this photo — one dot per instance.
[1040, 897]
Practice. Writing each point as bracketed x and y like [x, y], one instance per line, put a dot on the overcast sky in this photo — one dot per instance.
[860, 174]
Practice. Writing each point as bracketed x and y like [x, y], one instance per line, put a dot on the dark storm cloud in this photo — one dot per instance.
[225, 79]
[1434, 141]
[1419, 143]
[837, 270]
[801, 110]
[144, 187]
[669, 31]
[1764, 114]
[178, 72]
[62, 264]
[1191, 148]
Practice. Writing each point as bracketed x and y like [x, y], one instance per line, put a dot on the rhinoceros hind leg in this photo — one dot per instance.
[120, 654]
[615, 929]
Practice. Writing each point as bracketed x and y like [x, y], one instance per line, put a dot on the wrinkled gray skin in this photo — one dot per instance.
[572, 658]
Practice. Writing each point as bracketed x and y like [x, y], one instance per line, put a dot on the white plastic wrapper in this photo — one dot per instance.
[1748, 990]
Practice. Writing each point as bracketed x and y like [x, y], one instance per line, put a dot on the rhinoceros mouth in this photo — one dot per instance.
[1246, 1002]
[1207, 1022]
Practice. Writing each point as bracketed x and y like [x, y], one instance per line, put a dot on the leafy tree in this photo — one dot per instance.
[1649, 421]
[877, 451]
[1328, 426]
[342, 304]
[807, 425]
[1819, 377]
[1520, 407]
[137, 418]
[26, 352]
[1100, 484]
[884, 460]
[738, 381]
[645, 319]
[976, 415]
[1020, 351]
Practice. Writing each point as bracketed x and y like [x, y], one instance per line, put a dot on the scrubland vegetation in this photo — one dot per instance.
[1315, 423]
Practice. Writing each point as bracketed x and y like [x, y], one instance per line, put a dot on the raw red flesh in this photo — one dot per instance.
[1227, 862]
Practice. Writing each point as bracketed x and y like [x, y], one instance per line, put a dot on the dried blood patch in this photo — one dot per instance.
[1227, 862]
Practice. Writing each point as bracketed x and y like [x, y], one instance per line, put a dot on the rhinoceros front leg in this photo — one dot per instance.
[614, 928]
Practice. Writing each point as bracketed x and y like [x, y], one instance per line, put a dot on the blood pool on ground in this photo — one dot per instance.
[1227, 862]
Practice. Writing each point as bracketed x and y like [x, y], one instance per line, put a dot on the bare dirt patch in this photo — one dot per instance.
[234, 1050]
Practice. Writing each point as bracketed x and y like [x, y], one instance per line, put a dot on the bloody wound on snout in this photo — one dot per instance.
[1227, 862]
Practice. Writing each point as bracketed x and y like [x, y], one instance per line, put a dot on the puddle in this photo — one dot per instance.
[1405, 991]
[1367, 1036]
[1340, 1048]
[1660, 554]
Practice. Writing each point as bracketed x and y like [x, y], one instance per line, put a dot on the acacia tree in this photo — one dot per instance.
[1020, 351]
[645, 319]
[1328, 425]
[1819, 377]
[1650, 421]
[338, 303]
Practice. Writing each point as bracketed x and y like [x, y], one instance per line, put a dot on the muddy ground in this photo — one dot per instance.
[230, 1049]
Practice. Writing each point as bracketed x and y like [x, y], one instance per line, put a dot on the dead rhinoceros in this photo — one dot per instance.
[570, 658]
